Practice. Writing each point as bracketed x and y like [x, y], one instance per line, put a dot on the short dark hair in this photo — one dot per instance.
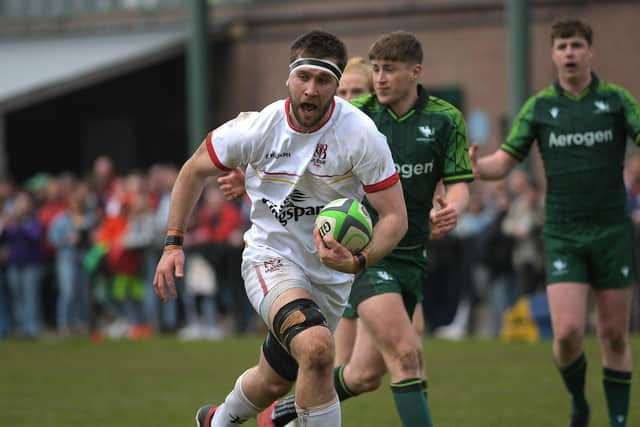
[319, 44]
[566, 28]
[397, 46]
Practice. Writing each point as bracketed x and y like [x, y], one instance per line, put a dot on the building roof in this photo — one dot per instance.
[35, 69]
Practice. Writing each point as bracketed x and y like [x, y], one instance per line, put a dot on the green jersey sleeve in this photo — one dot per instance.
[457, 164]
[522, 134]
[631, 110]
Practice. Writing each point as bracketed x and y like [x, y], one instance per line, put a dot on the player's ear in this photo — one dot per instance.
[415, 72]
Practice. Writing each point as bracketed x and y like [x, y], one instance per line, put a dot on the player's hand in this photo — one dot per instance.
[437, 232]
[442, 220]
[473, 156]
[232, 184]
[171, 262]
[334, 255]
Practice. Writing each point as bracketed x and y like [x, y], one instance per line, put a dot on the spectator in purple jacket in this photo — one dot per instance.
[22, 235]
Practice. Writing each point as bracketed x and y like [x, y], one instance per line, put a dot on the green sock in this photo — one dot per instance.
[410, 397]
[341, 386]
[617, 385]
[574, 378]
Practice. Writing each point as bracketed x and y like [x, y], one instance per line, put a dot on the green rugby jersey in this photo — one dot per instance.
[428, 144]
[582, 141]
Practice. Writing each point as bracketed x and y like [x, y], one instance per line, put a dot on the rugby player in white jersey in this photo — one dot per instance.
[300, 153]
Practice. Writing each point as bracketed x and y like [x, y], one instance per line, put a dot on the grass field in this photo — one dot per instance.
[162, 381]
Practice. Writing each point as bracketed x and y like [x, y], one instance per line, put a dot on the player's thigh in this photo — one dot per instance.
[566, 259]
[366, 360]
[386, 319]
[332, 299]
[612, 250]
[266, 278]
[272, 282]
[402, 272]
[418, 319]
[568, 307]
[345, 336]
[613, 310]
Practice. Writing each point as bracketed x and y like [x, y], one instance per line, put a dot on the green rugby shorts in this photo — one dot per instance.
[602, 255]
[402, 271]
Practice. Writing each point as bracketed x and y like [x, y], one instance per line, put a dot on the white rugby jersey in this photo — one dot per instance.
[291, 175]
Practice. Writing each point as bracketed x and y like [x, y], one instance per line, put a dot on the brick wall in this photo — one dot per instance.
[464, 42]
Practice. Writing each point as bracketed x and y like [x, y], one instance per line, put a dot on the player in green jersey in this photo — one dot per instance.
[357, 80]
[428, 142]
[581, 124]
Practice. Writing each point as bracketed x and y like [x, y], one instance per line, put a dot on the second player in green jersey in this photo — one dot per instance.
[582, 125]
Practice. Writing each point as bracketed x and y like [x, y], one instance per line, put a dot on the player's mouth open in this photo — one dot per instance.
[308, 107]
[570, 65]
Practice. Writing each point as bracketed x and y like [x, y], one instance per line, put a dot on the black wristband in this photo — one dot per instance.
[173, 240]
[362, 261]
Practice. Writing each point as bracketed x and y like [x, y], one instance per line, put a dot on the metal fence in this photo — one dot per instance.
[33, 9]
[47, 9]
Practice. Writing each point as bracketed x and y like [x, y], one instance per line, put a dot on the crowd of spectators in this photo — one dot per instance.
[494, 256]
[77, 257]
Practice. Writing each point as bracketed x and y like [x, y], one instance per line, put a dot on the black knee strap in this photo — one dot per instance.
[280, 361]
[295, 317]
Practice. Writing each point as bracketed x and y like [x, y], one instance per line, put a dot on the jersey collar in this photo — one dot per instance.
[595, 81]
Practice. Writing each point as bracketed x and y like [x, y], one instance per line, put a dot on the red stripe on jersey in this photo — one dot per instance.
[213, 156]
[287, 108]
[263, 284]
[385, 183]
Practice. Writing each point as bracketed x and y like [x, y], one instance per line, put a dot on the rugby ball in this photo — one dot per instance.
[348, 221]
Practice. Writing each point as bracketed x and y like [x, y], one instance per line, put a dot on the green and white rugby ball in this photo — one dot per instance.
[348, 221]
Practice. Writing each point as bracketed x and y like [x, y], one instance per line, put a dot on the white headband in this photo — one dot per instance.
[318, 64]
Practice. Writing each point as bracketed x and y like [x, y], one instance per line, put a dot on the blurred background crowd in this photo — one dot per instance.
[77, 258]
[78, 255]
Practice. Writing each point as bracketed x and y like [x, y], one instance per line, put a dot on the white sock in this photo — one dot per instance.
[236, 408]
[321, 416]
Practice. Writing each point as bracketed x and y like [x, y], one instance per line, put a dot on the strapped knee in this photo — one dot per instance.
[279, 359]
[295, 317]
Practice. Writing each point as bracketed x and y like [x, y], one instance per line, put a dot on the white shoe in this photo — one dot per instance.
[117, 329]
[450, 332]
[191, 332]
[213, 333]
[457, 329]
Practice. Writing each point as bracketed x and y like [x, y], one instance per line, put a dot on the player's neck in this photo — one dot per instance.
[575, 85]
[403, 105]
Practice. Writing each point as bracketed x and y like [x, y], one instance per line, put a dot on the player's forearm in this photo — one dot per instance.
[457, 196]
[495, 166]
[188, 187]
[392, 222]
[185, 194]
[387, 233]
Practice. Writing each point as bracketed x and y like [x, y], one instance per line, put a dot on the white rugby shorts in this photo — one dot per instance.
[267, 276]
